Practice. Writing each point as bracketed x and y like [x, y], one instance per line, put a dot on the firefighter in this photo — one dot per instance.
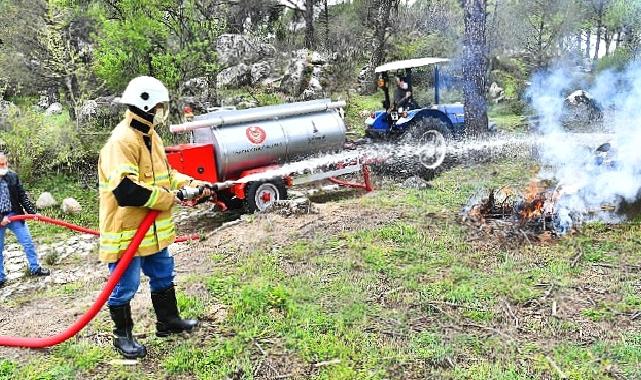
[135, 177]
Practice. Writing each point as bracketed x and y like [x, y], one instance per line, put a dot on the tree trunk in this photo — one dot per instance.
[588, 36]
[539, 44]
[475, 67]
[577, 53]
[327, 47]
[599, 26]
[608, 41]
[309, 24]
[380, 35]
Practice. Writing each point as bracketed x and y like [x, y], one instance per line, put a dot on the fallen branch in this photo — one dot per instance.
[327, 362]
[576, 258]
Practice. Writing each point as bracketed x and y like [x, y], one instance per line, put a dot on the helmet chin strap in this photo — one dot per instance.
[131, 115]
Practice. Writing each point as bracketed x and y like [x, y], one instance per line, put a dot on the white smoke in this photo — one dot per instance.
[588, 181]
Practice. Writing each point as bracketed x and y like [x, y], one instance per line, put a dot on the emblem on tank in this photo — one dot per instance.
[256, 135]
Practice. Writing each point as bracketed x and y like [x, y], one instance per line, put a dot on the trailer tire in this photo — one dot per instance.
[260, 195]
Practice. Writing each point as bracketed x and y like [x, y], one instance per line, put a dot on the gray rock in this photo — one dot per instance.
[314, 84]
[247, 104]
[259, 71]
[236, 76]
[292, 207]
[311, 94]
[88, 109]
[195, 86]
[495, 91]
[6, 109]
[45, 200]
[105, 110]
[294, 79]
[44, 102]
[234, 49]
[318, 58]
[54, 109]
[70, 206]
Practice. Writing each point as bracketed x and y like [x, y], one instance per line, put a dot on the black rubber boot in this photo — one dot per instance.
[124, 341]
[166, 308]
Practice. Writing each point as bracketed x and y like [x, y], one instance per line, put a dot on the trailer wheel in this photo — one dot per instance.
[260, 195]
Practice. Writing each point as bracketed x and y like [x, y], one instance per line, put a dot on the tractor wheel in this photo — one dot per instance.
[260, 195]
[430, 136]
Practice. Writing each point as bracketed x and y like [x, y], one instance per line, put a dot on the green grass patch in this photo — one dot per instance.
[61, 187]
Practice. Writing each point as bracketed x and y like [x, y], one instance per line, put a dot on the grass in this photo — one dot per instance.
[408, 298]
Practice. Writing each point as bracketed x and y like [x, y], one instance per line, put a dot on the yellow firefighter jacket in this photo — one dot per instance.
[125, 155]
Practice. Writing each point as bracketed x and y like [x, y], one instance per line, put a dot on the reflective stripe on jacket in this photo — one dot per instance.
[125, 155]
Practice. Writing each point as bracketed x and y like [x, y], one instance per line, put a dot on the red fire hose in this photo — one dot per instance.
[75, 227]
[28, 342]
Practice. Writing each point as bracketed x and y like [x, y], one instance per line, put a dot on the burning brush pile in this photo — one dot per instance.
[517, 217]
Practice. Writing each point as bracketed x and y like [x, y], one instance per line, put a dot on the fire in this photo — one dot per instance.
[535, 198]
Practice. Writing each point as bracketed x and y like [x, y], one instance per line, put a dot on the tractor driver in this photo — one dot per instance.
[403, 96]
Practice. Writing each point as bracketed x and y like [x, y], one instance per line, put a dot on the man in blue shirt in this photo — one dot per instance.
[14, 201]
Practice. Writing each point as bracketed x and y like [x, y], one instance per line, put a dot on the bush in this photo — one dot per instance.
[39, 144]
[618, 60]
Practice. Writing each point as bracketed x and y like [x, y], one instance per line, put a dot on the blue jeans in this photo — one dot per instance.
[159, 267]
[20, 229]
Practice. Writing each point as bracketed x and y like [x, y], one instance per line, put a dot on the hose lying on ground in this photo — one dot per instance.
[121, 267]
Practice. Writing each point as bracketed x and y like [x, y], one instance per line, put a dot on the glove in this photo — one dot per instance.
[205, 185]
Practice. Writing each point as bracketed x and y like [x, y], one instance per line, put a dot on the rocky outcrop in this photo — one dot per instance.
[235, 76]
[234, 49]
[301, 74]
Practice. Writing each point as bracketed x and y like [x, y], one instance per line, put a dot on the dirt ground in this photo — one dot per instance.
[42, 313]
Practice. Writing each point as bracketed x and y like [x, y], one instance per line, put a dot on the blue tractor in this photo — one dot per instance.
[404, 119]
[395, 120]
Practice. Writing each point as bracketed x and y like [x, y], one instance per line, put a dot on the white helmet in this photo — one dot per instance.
[144, 93]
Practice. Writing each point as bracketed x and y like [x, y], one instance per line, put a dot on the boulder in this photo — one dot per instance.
[234, 49]
[70, 206]
[259, 71]
[45, 200]
[105, 110]
[54, 109]
[235, 76]
[294, 79]
[319, 59]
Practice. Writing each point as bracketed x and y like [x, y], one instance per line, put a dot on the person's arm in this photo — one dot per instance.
[23, 198]
[120, 162]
